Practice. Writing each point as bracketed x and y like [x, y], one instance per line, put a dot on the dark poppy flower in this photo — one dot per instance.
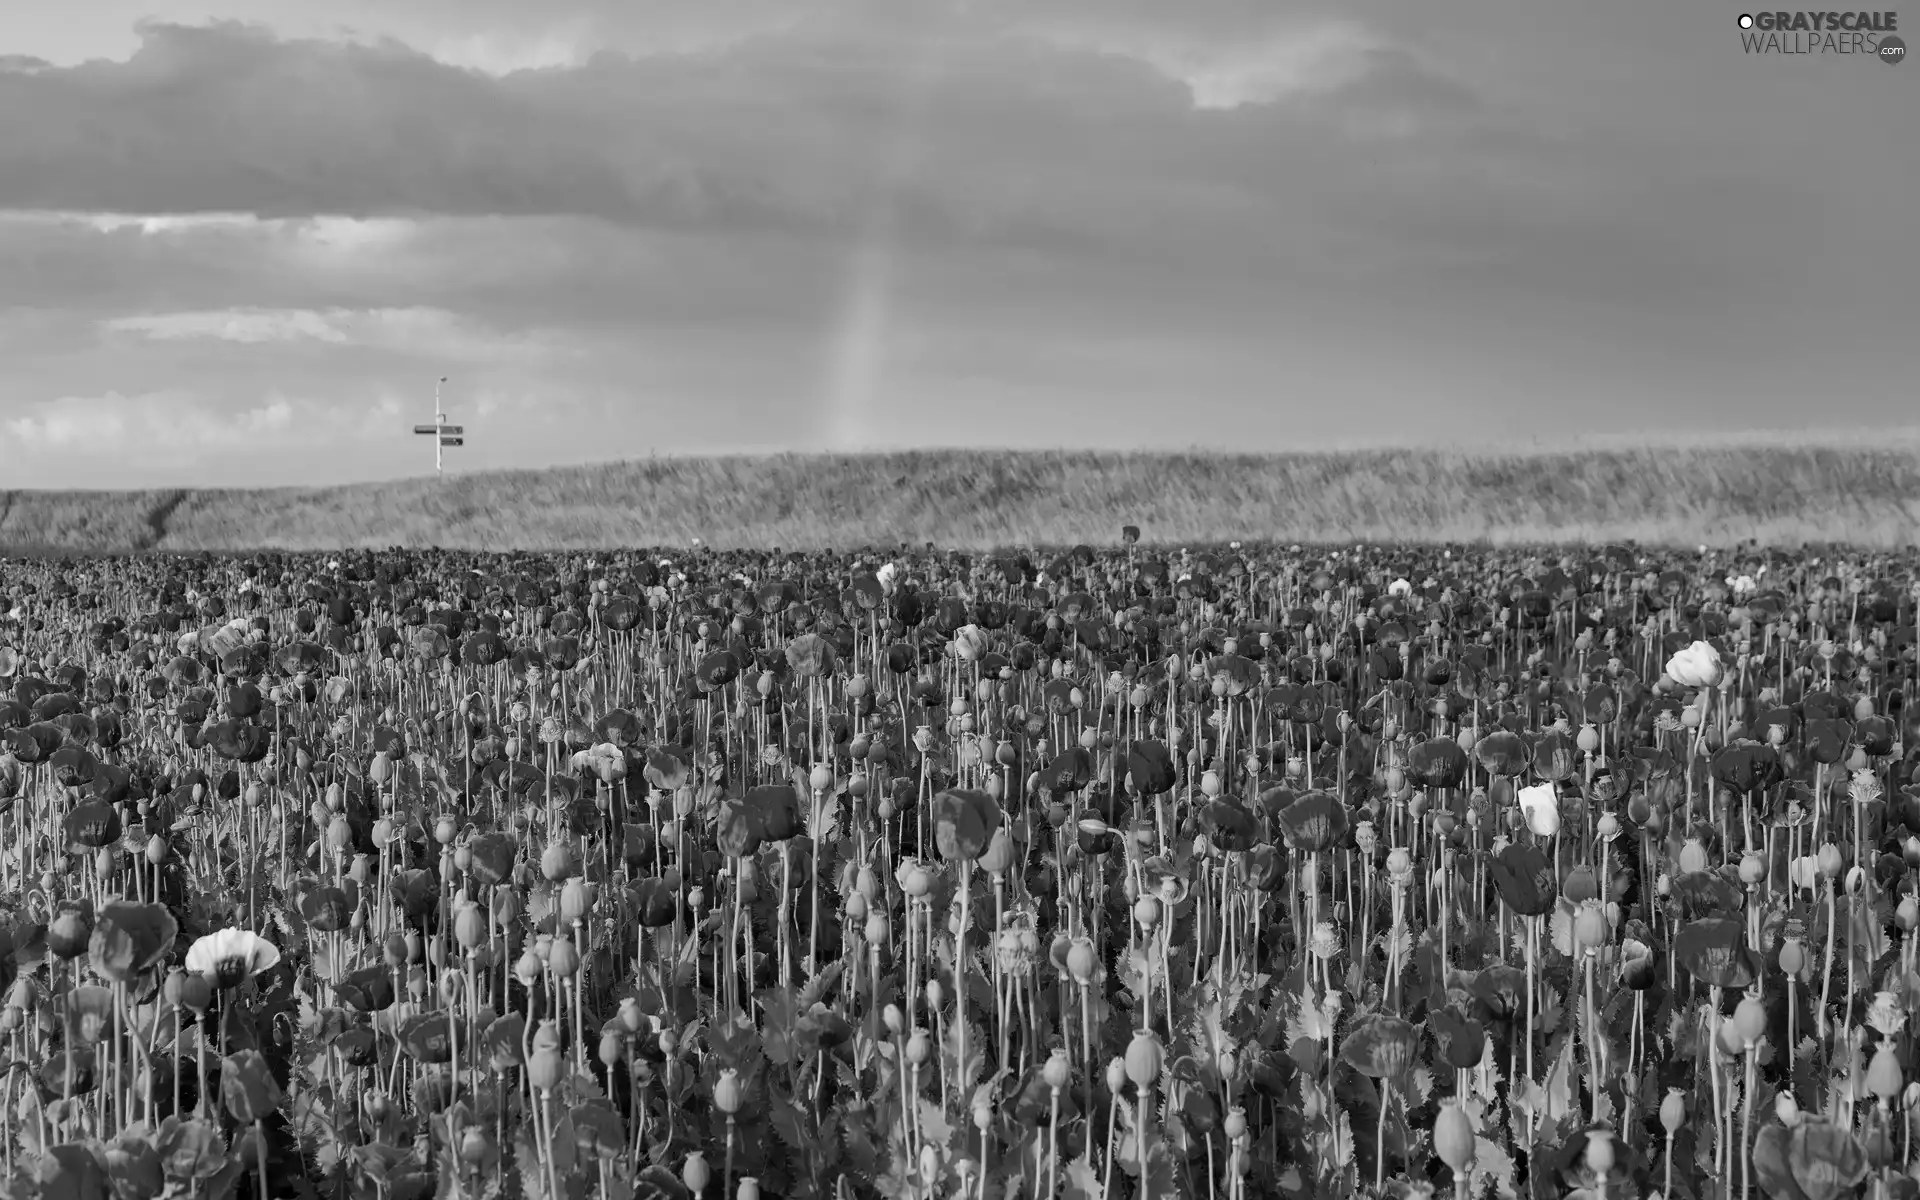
[367, 990]
[1069, 771]
[1316, 821]
[1436, 763]
[1555, 756]
[740, 831]
[1150, 767]
[130, 940]
[491, 858]
[90, 826]
[1499, 992]
[1461, 1039]
[1747, 766]
[1380, 1046]
[1504, 754]
[1229, 827]
[656, 903]
[964, 821]
[247, 1087]
[777, 808]
[1524, 880]
[429, 1037]
[1714, 951]
[1708, 893]
[326, 909]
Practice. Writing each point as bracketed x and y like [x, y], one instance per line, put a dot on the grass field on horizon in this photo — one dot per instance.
[1678, 495]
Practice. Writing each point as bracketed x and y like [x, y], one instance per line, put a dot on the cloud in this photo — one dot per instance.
[422, 331]
[249, 327]
[770, 134]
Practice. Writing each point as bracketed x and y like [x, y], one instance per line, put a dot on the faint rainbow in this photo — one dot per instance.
[858, 349]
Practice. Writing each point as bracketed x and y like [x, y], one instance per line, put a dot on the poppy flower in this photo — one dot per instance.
[130, 940]
[1436, 763]
[964, 821]
[1696, 666]
[1150, 767]
[1461, 1039]
[1524, 879]
[1380, 1046]
[247, 1087]
[1315, 822]
[230, 957]
[1714, 951]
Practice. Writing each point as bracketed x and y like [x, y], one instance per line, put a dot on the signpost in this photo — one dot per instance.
[442, 433]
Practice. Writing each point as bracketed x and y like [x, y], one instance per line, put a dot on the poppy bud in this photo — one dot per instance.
[919, 1048]
[1116, 1075]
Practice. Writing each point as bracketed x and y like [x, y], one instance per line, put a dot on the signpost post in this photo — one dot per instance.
[442, 433]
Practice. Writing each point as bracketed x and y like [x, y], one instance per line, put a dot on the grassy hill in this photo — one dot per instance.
[1780, 495]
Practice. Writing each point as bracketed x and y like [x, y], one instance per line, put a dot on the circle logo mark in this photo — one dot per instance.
[1892, 49]
[1746, 20]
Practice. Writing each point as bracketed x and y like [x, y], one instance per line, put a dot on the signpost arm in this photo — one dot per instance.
[439, 418]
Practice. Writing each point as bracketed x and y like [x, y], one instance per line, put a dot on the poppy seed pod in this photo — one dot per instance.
[1600, 1156]
[473, 1146]
[1750, 1018]
[469, 927]
[1793, 956]
[695, 1173]
[1673, 1111]
[574, 901]
[556, 862]
[563, 960]
[1453, 1137]
[1884, 1075]
[1590, 927]
[1145, 1058]
[546, 1066]
[1058, 1071]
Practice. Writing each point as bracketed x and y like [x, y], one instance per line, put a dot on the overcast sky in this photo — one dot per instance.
[239, 239]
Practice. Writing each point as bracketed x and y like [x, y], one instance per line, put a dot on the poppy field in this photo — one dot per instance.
[1240, 872]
